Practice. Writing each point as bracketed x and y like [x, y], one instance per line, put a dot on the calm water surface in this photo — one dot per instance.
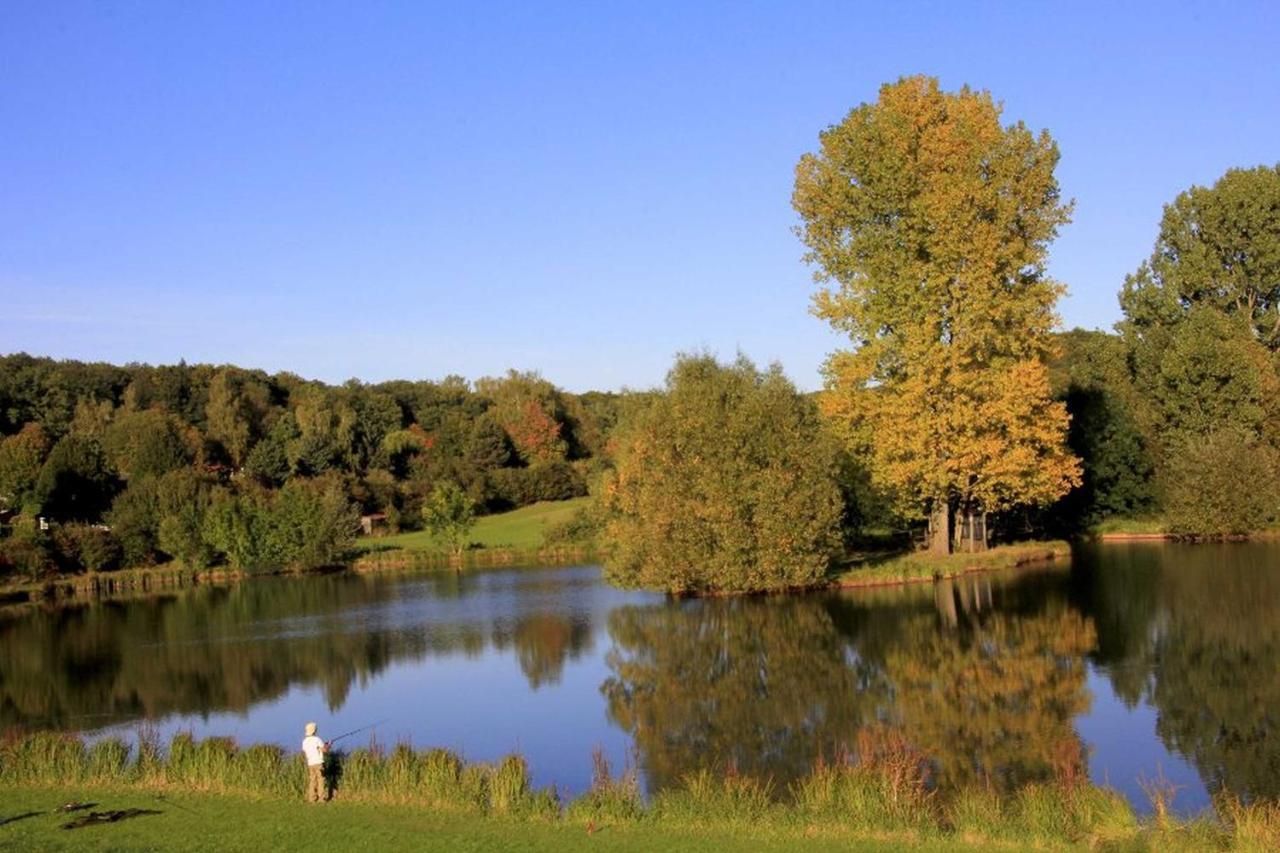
[1135, 662]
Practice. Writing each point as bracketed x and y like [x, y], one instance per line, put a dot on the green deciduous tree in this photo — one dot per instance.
[75, 482]
[1218, 246]
[1207, 374]
[725, 481]
[306, 524]
[1224, 482]
[1202, 327]
[135, 521]
[1092, 377]
[183, 498]
[234, 415]
[449, 514]
[21, 457]
[145, 443]
[930, 221]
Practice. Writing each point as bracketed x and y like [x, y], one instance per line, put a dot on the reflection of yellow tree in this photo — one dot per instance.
[769, 685]
[759, 684]
[995, 702]
[544, 642]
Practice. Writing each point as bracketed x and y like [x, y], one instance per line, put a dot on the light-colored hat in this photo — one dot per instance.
[311, 729]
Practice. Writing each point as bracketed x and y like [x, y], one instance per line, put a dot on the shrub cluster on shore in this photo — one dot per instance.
[881, 789]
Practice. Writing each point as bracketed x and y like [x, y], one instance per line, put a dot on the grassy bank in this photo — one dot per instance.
[921, 566]
[229, 822]
[211, 794]
[520, 529]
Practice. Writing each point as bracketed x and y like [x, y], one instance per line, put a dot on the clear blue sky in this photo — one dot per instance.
[412, 190]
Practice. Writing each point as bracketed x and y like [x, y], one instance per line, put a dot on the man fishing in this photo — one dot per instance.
[314, 749]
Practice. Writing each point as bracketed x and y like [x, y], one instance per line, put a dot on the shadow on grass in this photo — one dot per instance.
[5, 821]
[113, 816]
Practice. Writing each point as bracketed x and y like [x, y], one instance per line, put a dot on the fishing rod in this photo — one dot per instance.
[332, 741]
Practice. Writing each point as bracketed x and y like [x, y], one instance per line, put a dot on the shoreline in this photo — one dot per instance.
[906, 569]
[917, 570]
[873, 801]
[171, 577]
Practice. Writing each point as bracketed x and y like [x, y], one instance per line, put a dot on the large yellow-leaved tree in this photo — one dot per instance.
[929, 222]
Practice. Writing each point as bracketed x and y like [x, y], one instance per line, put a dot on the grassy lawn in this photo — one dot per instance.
[188, 821]
[521, 529]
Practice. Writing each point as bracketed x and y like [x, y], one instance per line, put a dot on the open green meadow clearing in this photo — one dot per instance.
[520, 529]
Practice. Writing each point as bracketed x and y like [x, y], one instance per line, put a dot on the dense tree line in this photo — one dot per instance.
[1178, 412]
[220, 465]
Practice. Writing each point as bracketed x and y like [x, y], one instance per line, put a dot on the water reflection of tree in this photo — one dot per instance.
[987, 691]
[195, 652]
[759, 684]
[1195, 630]
[544, 642]
[993, 700]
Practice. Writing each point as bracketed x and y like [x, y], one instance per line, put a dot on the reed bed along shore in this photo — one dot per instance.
[882, 791]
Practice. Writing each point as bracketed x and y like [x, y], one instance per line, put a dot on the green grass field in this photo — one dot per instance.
[229, 822]
[520, 529]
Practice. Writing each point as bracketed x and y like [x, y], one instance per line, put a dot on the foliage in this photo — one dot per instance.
[1202, 327]
[1209, 374]
[26, 552]
[1217, 247]
[546, 481]
[75, 482]
[92, 443]
[582, 528]
[145, 443]
[86, 547]
[134, 519]
[183, 498]
[931, 222]
[234, 413]
[1092, 377]
[531, 411]
[449, 515]
[306, 524]
[725, 481]
[1226, 482]
[21, 456]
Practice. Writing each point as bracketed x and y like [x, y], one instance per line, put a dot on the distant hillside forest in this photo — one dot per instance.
[135, 465]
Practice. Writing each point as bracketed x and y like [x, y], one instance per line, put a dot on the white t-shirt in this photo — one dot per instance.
[313, 749]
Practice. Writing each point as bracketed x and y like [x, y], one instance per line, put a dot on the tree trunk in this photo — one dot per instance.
[940, 528]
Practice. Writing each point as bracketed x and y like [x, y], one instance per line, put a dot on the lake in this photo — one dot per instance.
[1133, 662]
